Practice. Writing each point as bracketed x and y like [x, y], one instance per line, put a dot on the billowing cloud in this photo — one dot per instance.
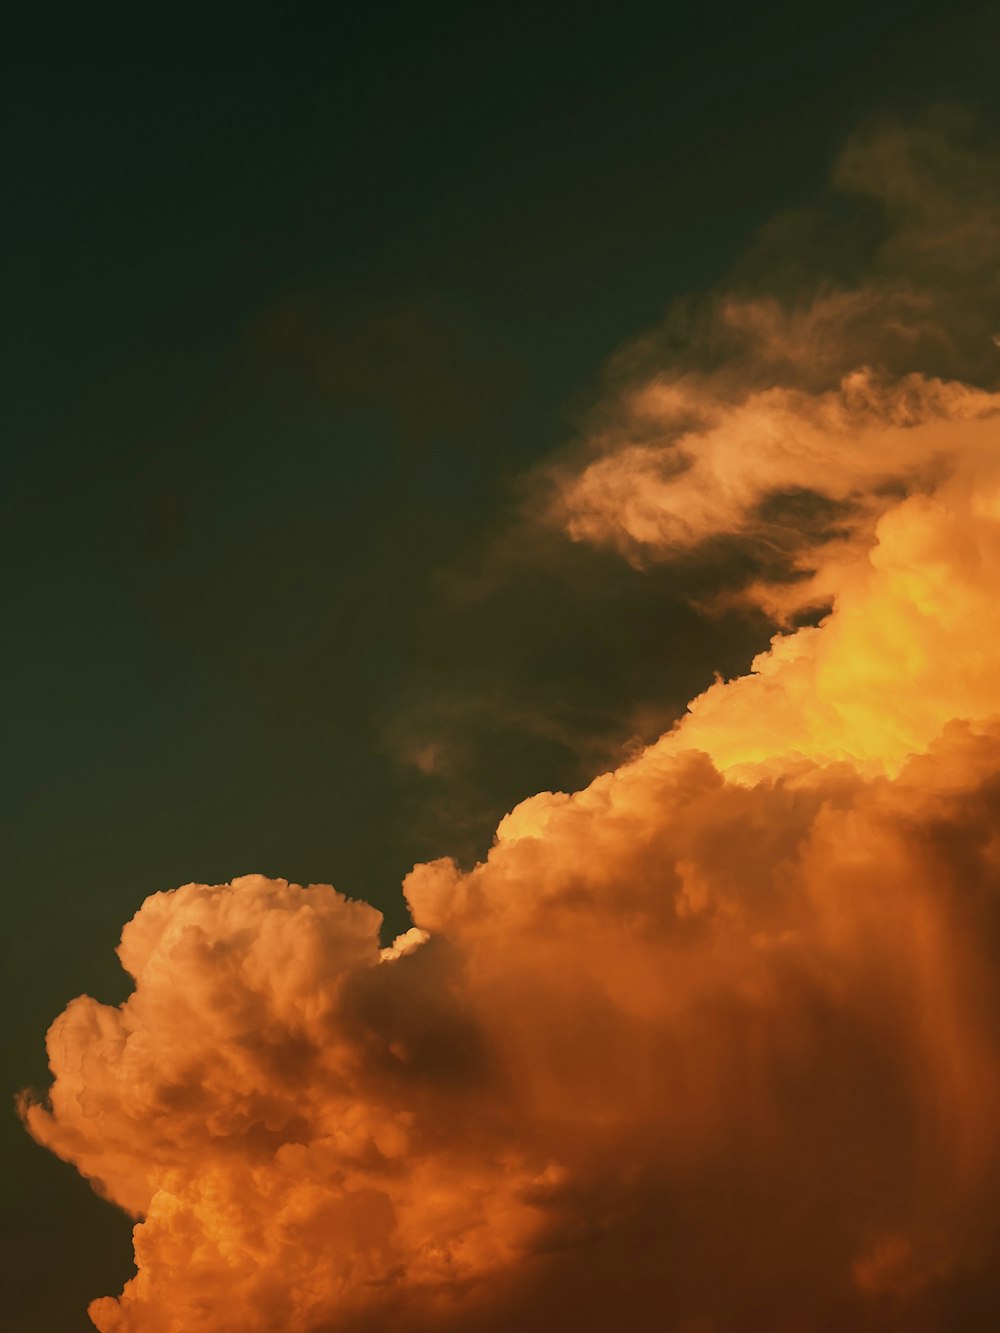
[712, 1044]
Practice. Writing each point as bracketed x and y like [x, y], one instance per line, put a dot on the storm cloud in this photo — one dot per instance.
[711, 1044]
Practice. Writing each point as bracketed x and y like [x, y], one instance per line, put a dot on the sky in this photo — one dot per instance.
[414, 410]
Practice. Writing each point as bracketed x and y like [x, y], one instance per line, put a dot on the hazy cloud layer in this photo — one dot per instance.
[711, 1044]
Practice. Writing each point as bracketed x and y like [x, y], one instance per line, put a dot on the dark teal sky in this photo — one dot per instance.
[294, 294]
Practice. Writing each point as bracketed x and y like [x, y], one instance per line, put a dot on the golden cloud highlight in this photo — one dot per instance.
[712, 1044]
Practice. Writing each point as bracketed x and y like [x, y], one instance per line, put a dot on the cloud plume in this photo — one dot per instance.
[711, 1044]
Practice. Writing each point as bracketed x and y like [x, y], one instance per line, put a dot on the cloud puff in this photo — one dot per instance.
[709, 1045]
[673, 1026]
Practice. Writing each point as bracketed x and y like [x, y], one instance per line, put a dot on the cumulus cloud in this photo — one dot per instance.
[709, 1045]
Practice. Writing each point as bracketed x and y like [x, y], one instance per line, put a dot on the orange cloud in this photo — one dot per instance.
[711, 467]
[839, 393]
[712, 1044]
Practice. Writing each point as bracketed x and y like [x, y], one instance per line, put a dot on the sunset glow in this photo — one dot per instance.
[712, 1043]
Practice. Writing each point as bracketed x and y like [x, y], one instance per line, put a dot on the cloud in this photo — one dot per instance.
[711, 468]
[710, 1044]
[786, 411]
